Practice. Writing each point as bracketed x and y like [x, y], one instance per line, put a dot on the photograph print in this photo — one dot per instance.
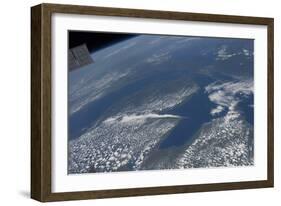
[157, 102]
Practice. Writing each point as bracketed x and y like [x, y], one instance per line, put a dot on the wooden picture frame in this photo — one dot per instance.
[41, 98]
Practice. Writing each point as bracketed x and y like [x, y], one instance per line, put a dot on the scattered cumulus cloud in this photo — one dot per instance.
[217, 110]
[225, 94]
[224, 54]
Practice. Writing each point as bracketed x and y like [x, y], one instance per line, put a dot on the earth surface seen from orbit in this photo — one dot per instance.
[163, 102]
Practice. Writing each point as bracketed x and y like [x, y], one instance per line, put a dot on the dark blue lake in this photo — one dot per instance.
[195, 112]
[247, 108]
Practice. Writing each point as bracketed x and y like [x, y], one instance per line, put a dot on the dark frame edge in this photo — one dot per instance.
[270, 101]
[157, 14]
[36, 139]
[166, 190]
[41, 102]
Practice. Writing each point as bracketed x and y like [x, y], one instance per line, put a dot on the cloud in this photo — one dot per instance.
[225, 94]
[123, 48]
[159, 58]
[222, 54]
[217, 110]
[122, 141]
[140, 118]
[247, 52]
[148, 116]
[92, 89]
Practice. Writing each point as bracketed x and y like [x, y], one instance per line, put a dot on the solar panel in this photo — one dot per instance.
[79, 56]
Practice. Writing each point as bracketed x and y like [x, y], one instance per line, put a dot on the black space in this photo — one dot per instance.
[95, 40]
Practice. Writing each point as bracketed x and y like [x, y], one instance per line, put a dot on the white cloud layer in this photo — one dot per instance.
[136, 118]
[225, 94]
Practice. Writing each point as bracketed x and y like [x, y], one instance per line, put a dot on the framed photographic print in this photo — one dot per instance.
[132, 102]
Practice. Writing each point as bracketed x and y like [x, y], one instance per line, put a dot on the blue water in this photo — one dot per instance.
[195, 114]
[195, 111]
[246, 106]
